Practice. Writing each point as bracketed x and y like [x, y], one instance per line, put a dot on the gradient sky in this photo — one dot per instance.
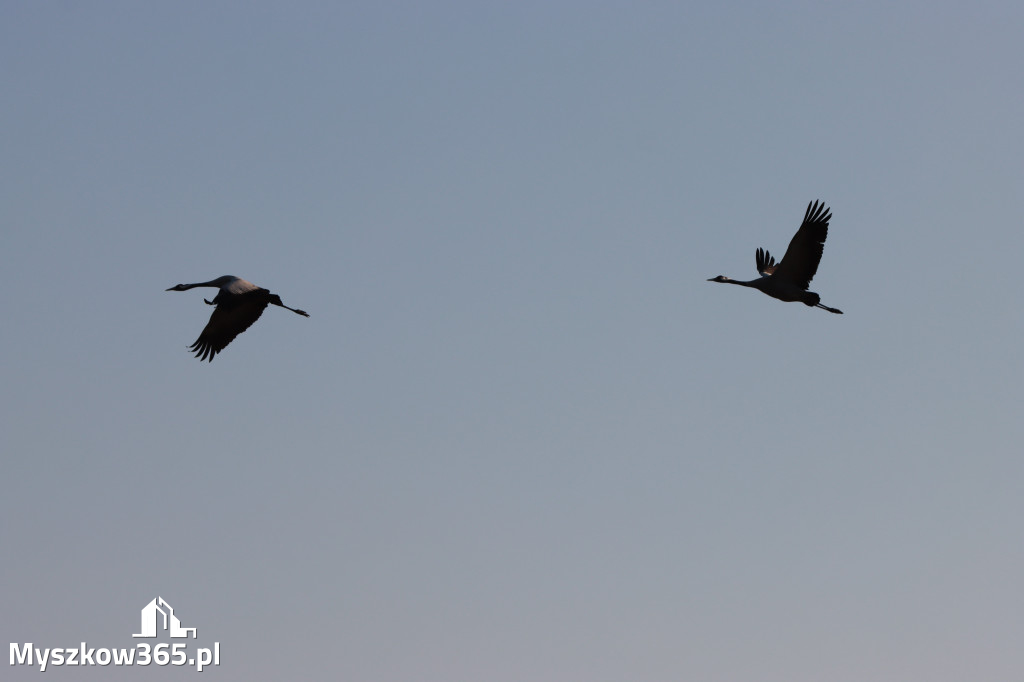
[521, 438]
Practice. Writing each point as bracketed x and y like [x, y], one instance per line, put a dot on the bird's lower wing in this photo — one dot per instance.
[225, 324]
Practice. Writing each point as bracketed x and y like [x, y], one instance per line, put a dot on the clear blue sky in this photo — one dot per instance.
[521, 438]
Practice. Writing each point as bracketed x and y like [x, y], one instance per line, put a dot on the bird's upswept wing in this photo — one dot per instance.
[804, 253]
[227, 322]
[765, 262]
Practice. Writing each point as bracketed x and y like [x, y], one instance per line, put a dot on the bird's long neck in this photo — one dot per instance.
[216, 283]
[752, 283]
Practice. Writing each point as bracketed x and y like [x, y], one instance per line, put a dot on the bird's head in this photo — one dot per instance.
[177, 287]
[720, 278]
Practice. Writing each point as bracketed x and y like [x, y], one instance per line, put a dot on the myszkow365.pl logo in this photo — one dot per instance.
[156, 615]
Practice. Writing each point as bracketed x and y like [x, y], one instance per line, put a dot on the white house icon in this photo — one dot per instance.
[149, 620]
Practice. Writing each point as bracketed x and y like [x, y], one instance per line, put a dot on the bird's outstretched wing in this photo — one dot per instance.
[227, 322]
[765, 262]
[804, 253]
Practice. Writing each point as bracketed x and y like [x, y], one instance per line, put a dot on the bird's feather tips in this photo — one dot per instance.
[765, 262]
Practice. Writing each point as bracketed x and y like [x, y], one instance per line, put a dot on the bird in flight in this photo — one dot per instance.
[788, 280]
[239, 304]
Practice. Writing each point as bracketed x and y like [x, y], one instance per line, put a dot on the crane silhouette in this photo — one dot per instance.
[788, 280]
[239, 304]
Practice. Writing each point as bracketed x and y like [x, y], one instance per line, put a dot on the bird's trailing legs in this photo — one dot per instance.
[831, 310]
[276, 300]
[305, 314]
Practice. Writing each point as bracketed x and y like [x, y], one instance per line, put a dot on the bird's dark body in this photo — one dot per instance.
[256, 296]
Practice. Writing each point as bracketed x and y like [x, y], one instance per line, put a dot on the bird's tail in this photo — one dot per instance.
[831, 310]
